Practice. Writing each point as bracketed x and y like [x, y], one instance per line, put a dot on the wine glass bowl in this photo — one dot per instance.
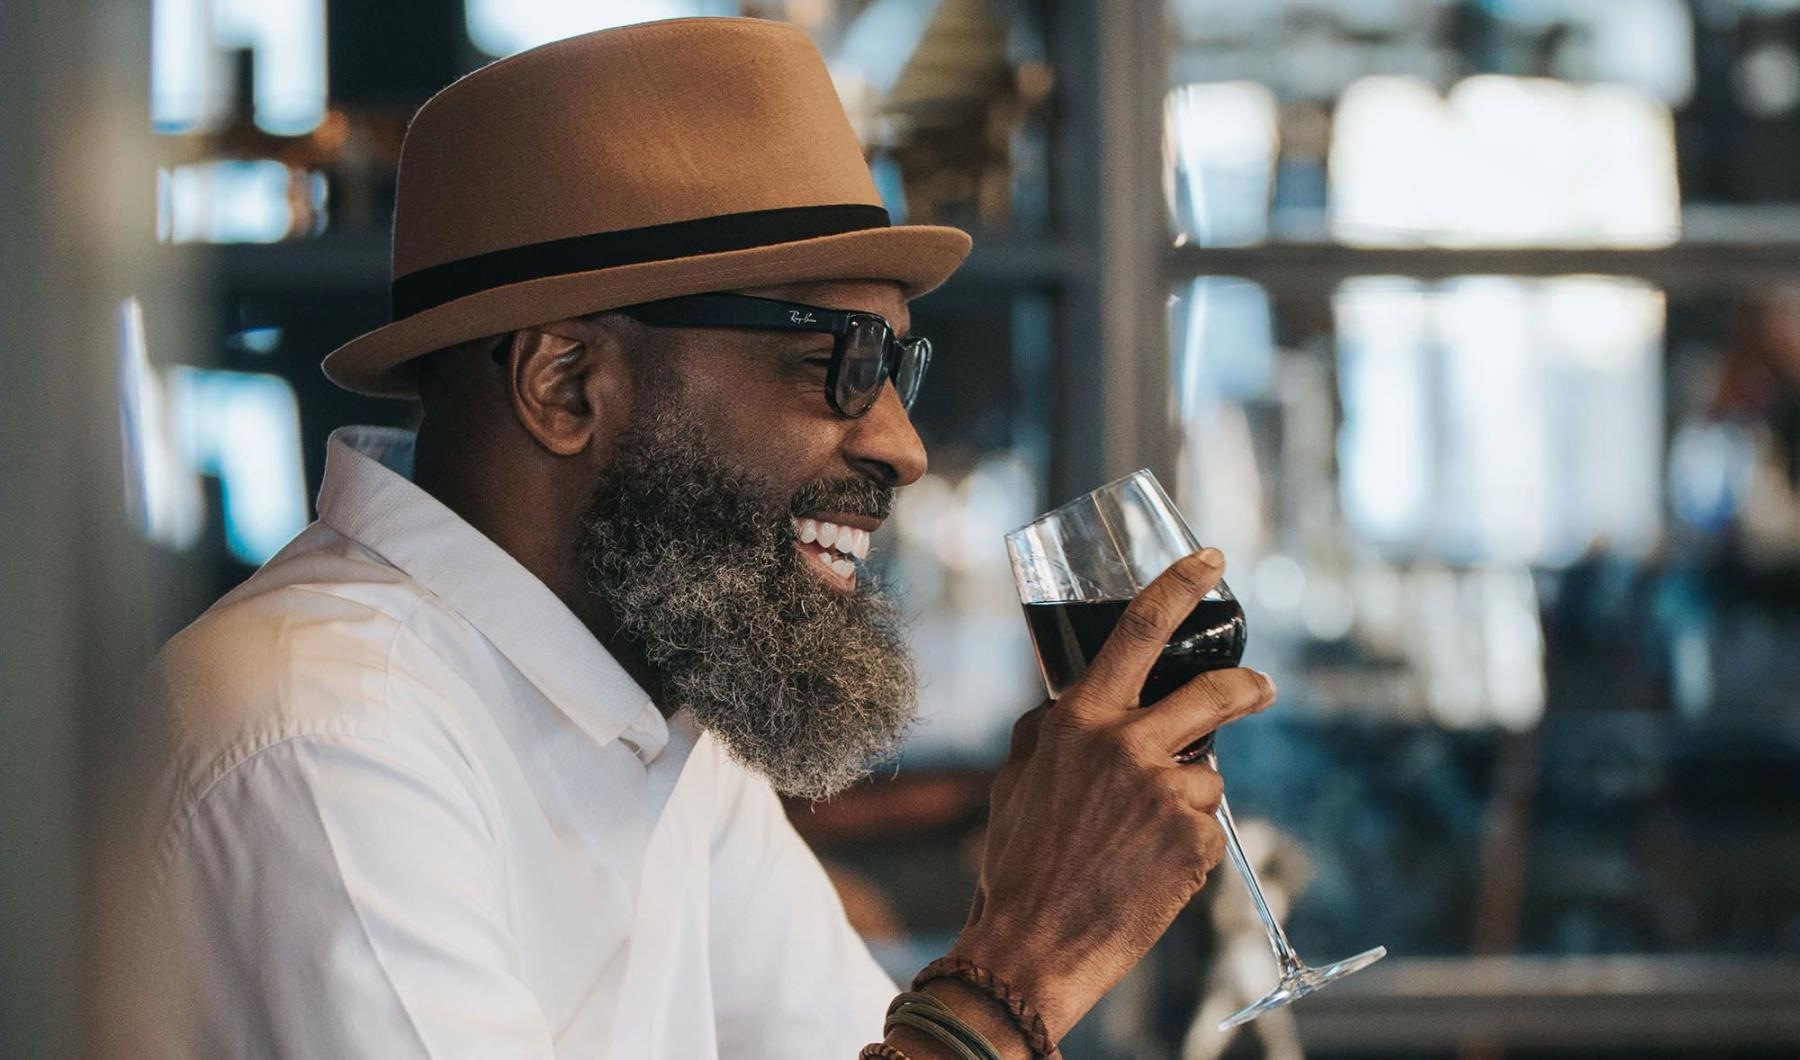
[1077, 568]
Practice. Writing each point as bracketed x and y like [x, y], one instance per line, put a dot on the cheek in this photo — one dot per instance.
[785, 451]
[781, 433]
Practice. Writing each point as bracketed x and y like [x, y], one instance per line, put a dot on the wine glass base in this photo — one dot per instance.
[1301, 982]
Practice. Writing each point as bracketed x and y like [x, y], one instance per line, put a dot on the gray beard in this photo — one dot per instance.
[806, 685]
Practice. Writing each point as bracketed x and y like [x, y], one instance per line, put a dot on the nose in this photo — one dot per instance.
[883, 445]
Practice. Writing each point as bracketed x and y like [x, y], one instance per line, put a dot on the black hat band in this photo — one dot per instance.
[430, 287]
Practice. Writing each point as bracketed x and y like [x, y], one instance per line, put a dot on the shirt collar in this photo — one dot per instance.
[368, 496]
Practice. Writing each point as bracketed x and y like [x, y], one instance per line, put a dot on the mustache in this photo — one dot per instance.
[852, 496]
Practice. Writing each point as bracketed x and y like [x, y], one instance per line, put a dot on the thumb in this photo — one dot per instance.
[1023, 744]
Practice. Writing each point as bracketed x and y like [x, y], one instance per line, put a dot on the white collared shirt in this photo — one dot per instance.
[413, 808]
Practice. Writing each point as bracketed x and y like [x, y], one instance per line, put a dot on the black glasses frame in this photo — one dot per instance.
[900, 361]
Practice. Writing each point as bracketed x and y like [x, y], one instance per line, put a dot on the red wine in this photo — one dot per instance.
[1069, 635]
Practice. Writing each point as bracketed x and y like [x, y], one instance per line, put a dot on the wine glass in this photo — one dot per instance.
[1077, 567]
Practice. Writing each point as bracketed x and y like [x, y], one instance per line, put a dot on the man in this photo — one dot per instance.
[485, 762]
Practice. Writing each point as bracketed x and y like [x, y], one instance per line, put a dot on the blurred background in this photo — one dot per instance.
[1470, 329]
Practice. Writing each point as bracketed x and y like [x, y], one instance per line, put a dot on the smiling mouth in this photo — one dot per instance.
[832, 551]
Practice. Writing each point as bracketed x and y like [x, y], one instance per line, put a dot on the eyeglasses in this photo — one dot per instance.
[865, 356]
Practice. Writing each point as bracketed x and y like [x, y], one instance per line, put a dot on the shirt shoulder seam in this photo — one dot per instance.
[230, 760]
[404, 628]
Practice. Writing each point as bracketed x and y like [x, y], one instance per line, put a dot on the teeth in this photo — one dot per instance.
[847, 541]
[852, 542]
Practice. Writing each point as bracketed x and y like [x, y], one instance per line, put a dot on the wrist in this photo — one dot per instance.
[973, 1007]
[1040, 978]
[1021, 1010]
[1010, 954]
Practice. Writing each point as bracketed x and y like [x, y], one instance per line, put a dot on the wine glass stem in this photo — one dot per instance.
[1278, 941]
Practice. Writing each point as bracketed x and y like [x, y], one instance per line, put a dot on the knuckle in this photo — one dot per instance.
[1025, 729]
[1236, 691]
[1243, 689]
[1144, 620]
[1058, 726]
[1211, 839]
[1169, 796]
[1203, 844]
[1189, 575]
[1119, 746]
[1213, 691]
[1209, 788]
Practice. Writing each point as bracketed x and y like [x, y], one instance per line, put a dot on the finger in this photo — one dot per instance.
[1001, 790]
[1118, 671]
[1209, 839]
[1203, 787]
[1201, 706]
[1024, 742]
[1025, 733]
[1195, 788]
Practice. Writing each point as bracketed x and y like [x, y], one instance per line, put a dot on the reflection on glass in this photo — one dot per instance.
[1224, 355]
[1224, 341]
[1384, 443]
[1219, 146]
[1604, 336]
[244, 429]
[502, 27]
[1476, 642]
[160, 495]
[1539, 162]
[1387, 179]
[1503, 161]
[1711, 466]
[1523, 415]
[190, 85]
[237, 202]
[240, 427]
[1493, 466]
[1648, 45]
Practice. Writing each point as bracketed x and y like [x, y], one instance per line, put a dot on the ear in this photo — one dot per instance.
[565, 386]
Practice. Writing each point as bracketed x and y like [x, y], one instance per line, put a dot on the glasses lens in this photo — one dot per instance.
[915, 357]
[864, 367]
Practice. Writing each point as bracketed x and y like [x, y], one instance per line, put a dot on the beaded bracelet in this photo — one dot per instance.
[881, 1051]
[1025, 1017]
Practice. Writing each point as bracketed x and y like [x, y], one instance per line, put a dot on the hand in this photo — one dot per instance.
[1097, 836]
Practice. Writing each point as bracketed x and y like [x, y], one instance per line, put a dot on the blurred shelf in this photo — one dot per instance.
[1686, 268]
[359, 262]
[1723, 250]
[998, 258]
[1569, 1002]
[1769, 223]
[339, 262]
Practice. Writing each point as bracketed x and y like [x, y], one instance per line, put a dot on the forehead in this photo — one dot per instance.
[870, 296]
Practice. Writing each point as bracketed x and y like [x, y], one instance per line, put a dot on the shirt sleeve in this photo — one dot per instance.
[338, 896]
[792, 978]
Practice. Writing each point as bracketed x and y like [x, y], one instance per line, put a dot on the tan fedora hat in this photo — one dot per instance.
[623, 166]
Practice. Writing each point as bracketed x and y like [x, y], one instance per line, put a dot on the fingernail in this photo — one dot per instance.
[1212, 557]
